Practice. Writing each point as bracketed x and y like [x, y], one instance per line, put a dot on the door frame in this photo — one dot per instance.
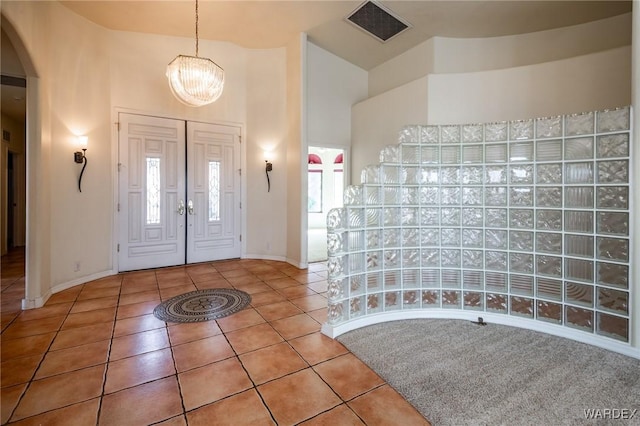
[115, 180]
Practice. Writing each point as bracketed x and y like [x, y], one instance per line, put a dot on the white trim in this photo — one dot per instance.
[299, 265]
[82, 280]
[38, 302]
[560, 331]
[264, 257]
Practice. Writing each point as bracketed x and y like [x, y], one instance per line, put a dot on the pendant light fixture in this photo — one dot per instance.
[195, 81]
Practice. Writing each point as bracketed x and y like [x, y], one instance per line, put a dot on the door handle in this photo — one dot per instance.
[181, 207]
[190, 207]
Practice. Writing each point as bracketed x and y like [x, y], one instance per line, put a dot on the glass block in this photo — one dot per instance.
[521, 218]
[497, 303]
[521, 284]
[472, 175]
[496, 260]
[472, 196]
[451, 278]
[521, 151]
[429, 195]
[450, 155]
[409, 134]
[430, 257]
[473, 280]
[495, 218]
[613, 171]
[356, 285]
[450, 258]
[450, 216]
[579, 124]
[390, 154]
[495, 281]
[521, 129]
[336, 266]
[410, 237]
[521, 240]
[336, 219]
[495, 239]
[496, 131]
[336, 289]
[334, 313]
[391, 195]
[549, 150]
[495, 196]
[615, 301]
[353, 196]
[391, 259]
[521, 262]
[472, 154]
[549, 289]
[473, 259]
[613, 223]
[578, 173]
[472, 216]
[473, 300]
[450, 134]
[429, 134]
[549, 220]
[430, 278]
[549, 311]
[373, 260]
[430, 237]
[521, 306]
[550, 196]
[495, 153]
[612, 326]
[392, 216]
[450, 175]
[356, 218]
[371, 174]
[373, 238]
[429, 175]
[392, 301]
[392, 280]
[411, 175]
[450, 195]
[578, 196]
[521, 196]
[581, 270]
[495, 175]
[549, 173]
[472, 238]
[429, 216]
[548, 242]
[356, 263]
[577, 221]
[450, 237]
[411, 299]
[356, 241]
[410, 196]
[410, 154]
[390, 175]
[609, 146]
[430, 155]
[472, 133]
[430, 298]
[578, 149]
[451, 299]
[373, 217]
[548, 127]
[613, 120]
[578, 245]
[372, 195]
[374, 303]
[613, 197]
[335, 243]
[579, 294]
[410, 258]
[356, 307]
[549, 265]
[613, 274]
[521, 174]
[374, 281]
[613, 249]
[579, 318]
[391, 237]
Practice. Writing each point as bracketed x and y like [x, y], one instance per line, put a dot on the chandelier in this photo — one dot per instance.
[195, 81]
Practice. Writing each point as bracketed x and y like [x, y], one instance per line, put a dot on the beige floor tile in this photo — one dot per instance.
[188, 332]
[341, 415]
[135, 370]
[272, 362]
[296, 326]
[83, 319]
[317, 347]
[348, 376]
[25, 346]
[18, 370]
[244, 409]
[82, 335]
[252, 338]
[278, 310]
[71, 359]
[385, 406]
[137, 325]
[9, 398]
[245, 318]
[81, 414]
[201, 352]
[138, 343]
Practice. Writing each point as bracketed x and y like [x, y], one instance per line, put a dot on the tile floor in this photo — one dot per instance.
[95, 354]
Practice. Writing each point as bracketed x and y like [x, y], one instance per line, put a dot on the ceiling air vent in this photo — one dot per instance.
[377, 21]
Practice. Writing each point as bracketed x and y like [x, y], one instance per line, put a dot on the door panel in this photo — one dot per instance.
[151, 190]
[213, 176]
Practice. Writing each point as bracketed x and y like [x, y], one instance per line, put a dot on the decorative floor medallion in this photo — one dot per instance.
[202, 305]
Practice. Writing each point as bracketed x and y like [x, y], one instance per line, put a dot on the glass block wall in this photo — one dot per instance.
[526, 219]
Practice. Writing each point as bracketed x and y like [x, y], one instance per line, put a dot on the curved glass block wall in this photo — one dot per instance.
[522, 220]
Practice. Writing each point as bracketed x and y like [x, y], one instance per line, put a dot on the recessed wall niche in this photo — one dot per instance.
[526, 219]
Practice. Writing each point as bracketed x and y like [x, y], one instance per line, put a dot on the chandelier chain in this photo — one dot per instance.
[196, 28]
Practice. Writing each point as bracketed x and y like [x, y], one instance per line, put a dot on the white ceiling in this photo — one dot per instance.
[269, 24]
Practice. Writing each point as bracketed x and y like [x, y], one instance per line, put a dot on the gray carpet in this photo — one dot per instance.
[458, 373]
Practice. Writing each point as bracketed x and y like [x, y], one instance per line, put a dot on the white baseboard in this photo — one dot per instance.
[264, 257]
[63, 286]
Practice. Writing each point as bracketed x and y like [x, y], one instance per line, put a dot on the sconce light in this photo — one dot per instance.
[80, 157]
[268, 168]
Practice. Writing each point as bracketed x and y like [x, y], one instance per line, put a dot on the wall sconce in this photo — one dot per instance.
[268, 168]
[80, 157]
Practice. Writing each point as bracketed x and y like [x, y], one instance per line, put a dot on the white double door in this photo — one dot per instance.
[179, 192]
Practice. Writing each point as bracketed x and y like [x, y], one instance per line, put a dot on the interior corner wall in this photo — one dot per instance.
[585, 83]
[15, 146]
